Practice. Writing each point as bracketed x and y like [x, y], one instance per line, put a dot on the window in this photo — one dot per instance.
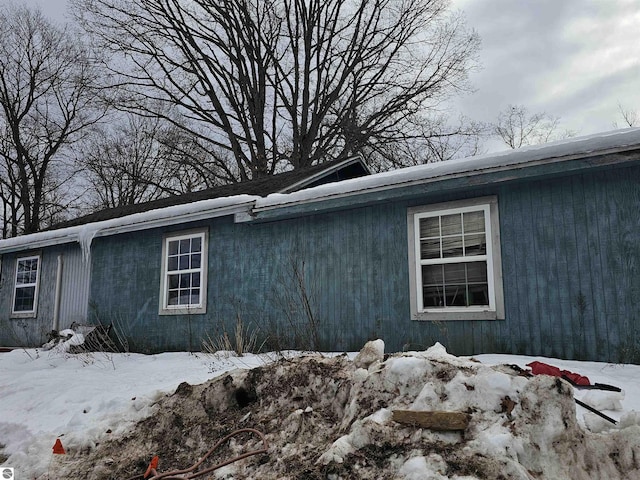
[25, 293]
[184, 273]
[454, 255]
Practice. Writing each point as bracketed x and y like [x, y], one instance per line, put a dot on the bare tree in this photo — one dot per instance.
[46, 104]
[517, 127]
[136, 159]
[286, 83]
[630, 118]
[435, 139]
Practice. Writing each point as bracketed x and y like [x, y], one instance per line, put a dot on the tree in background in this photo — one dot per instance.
[136, 159]
[518, 128]
[287, 83]
[47, 102]
[630, 118]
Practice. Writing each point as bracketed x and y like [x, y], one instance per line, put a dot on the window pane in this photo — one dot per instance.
[27, 271]
[455, 285]
[432, 297]
[195, 279]
[451, 224]
[185, 245]
[455, 295]
[173, 297]
[429, 227]
[173, 247]
[24, 300]
[477, 272]
[195, 296]
[452, 247]
[432, 275]
[454, 273]
[174, 281]
[183, 262]
[195, 260]
[430, 248]
[173, 264]
[475, 245]
[196, 244]
[474, 222]
[185, 280]
[478, 295]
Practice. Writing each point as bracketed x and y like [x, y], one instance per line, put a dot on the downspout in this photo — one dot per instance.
[56, 305]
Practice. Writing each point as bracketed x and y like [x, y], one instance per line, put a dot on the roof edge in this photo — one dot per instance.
[358, 158]
[435, 172]
[84, 234]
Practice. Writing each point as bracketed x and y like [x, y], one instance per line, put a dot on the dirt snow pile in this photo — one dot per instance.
[331, 418]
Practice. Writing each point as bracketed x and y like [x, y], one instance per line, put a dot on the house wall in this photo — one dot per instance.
[570, 261]
[32, 331]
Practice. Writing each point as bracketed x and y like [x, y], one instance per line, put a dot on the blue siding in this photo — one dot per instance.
[33, 331]
[570, 260]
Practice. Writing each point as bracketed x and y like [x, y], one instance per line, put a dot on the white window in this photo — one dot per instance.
[454, 261]
[25, 293]
[184, 273]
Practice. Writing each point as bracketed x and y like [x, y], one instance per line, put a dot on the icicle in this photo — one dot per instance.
[85, 237]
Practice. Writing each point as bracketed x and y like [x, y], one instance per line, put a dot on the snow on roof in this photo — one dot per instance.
[597, 144]
[84, 234]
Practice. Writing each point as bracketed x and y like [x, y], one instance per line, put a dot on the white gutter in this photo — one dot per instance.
[84, 234]
[557, 152]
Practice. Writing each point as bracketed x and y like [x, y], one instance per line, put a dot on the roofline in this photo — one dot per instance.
[248, 207]
[161, 217]
[358, 158]
[451, 169]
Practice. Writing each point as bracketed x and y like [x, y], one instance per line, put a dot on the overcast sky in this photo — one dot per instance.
[575, 59]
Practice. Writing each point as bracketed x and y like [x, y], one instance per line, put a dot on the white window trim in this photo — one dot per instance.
[495, 310]
[34, 311]
[200, 308]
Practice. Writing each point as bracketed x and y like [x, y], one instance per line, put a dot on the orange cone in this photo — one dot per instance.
[58, 449]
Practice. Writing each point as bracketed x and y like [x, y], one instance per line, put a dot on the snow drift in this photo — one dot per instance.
[331, 418]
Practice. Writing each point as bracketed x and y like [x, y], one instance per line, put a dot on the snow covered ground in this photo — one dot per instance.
[84, 399]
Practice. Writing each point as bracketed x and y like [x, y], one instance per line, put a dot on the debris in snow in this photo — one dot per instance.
[327, 418]
[441, 421]
[63, 340]
[81, 339]
[372, 352]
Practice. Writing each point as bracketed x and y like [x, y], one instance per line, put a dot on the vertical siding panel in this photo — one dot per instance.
[526, 278]
[583, 295]
[547, 278]
[595, 214]
[74, 295]
[607, 231]
[624, 260]
[508, 232]
[562, 331]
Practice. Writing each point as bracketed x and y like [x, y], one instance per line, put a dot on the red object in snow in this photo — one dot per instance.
[539, 368]
[58, 449]
[152, 467]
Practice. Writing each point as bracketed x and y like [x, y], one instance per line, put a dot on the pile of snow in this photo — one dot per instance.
[323, 417]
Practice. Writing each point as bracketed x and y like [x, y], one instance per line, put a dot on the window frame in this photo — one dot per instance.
[493, 258]
[189, 309]
[34, 310]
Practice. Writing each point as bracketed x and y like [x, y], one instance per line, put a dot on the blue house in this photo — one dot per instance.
[533, 251]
